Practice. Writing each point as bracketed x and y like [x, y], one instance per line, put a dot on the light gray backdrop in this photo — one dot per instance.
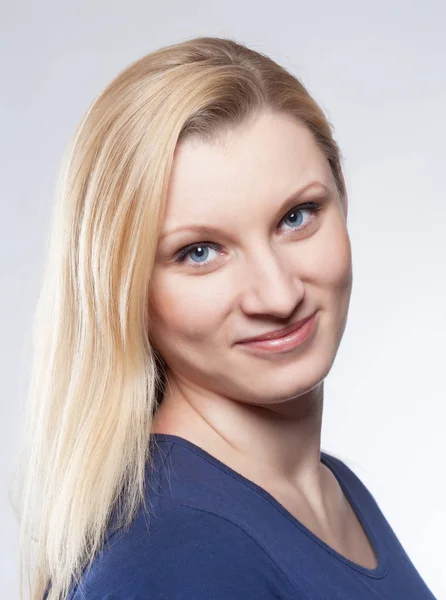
[378, 69]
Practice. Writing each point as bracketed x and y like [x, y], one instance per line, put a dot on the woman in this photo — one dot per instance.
[171, 456]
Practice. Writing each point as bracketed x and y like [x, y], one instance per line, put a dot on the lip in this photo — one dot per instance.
[278, 333]
[286, 342]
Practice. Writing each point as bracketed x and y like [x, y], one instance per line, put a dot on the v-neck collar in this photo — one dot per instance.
[379, 572]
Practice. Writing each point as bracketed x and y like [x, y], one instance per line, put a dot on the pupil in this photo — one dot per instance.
[293, 217]
[200, 250]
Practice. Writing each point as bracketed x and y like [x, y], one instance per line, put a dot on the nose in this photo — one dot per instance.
[270, 284]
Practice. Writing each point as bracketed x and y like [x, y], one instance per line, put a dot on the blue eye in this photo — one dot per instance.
[202, 248]
[202, 251]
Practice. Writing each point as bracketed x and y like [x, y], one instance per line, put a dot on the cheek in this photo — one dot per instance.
[332, 259]
[184, 308]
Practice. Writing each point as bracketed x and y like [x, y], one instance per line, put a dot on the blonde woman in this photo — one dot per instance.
[195, 295]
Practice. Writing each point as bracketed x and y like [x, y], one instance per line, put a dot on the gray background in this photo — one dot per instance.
[378, 70]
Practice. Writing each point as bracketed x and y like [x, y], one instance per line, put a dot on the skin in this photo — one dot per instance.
[260, 415]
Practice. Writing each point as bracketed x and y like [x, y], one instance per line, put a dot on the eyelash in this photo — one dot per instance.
[313, 207]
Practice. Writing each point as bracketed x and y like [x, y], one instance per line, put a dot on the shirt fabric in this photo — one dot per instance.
[209, 533]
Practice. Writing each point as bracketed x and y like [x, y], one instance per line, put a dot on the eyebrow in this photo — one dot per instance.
[212, 230]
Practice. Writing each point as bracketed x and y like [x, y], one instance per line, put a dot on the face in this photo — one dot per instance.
[276, 249]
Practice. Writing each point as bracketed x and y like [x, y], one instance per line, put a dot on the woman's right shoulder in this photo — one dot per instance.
[184, 553]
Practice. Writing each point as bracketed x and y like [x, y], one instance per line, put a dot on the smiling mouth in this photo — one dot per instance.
[278, 333]
[286, 342]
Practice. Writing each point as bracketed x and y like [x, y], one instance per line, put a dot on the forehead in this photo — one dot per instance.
[264, 160]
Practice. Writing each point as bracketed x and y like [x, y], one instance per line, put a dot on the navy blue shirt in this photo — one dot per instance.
[209, 533]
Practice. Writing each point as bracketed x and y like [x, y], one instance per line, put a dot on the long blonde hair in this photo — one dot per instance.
[96, 378]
